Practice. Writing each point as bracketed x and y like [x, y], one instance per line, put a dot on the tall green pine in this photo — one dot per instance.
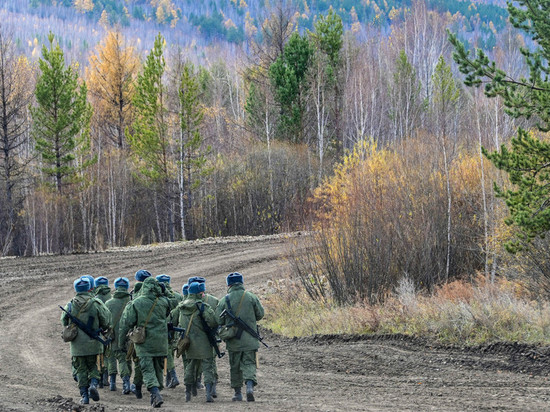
[61, 117]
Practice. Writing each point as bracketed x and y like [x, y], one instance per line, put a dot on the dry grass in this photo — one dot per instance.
[459, 313]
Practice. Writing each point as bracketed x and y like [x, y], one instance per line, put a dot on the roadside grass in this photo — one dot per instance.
[459, 313]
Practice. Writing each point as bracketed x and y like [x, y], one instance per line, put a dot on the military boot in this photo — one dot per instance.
[214, 393]
[156, 399]
[238, 396]
[194, 389]
[199, 384]
[105, 378]
[85, 398]
[249, 391]
[94, 394]
[137, 391]
[173, 379]
[188, 390]
[112, 382]
[209, 397]
[167, 380]
[126, 387]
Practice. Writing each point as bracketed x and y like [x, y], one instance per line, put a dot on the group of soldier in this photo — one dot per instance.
[167, 322]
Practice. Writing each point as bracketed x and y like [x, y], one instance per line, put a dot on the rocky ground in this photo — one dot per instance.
[320, 373]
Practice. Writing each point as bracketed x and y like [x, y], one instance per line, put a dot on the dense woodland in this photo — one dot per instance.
[137, 122]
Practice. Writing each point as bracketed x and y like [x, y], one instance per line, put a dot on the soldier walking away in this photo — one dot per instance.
[170, 368]
[213, 302]
[140, 277]
[116, 305]
[102, 291]
[243, 347]
[149, 311]
[188, 316]
[84, 349]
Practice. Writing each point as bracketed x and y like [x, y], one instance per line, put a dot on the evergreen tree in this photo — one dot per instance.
[150, 142]
[61, 117]
[288, 77]
[192, 157]
[328, 36]
[527, 161]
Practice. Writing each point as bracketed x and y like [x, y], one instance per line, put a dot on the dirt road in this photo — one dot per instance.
[315, 374]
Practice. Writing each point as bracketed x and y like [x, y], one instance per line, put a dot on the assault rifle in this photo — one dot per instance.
[173, 328]
[87, 328]
[242, 326]
[210, 332]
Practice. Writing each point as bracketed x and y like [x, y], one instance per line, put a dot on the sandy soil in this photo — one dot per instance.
[322, 373]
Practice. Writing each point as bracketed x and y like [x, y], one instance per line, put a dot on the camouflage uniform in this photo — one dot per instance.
[243, 351]
[116, 305]
[102, 291]
[84, 350]
[199, 354]
[150, 309]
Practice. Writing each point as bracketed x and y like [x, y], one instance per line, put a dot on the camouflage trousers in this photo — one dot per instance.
[242, 367]
[86, 369]
[152, 369]
[124, 365]
[194, 368]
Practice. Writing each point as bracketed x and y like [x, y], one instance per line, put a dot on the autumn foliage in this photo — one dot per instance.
[382, 216]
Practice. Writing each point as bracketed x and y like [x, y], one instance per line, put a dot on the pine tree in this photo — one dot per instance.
[150, 142]
[527, 161]
[61, 117]
[192, 157]
[288, 78]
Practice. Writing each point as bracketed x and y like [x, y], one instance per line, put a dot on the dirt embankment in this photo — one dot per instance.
[320, 373]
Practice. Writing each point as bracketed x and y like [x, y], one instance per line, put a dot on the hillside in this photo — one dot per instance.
[80, 24]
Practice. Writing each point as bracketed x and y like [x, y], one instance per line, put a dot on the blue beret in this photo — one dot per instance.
[82, 284]
[142, 274]
[199, 279]
[185, 289]
[102, 280]
[233, 278]
[122, 283]
[90, 279]
[196, 287]
[163, 278]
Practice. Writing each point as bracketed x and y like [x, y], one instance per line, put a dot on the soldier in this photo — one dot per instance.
[102, 291]
[199, 354]
[213, 302]
[116, 305]
[84, 350]
[149, 310]
[243, 351]
[174, 298]
[140, 277]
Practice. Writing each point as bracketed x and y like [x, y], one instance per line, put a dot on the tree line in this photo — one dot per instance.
[148, 147]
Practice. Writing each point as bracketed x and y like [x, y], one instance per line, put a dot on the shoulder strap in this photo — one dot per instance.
[229, 304]
[151, 311]
[189, 324]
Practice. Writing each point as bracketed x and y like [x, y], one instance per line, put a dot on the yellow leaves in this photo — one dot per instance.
[353, 15]
[229, 24]
[394, 13]
[83, 6]
[249, 28]
[104, 20]
[243, 5]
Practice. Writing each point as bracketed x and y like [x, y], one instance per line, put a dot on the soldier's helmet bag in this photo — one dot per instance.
[69, 333]
[137, 334]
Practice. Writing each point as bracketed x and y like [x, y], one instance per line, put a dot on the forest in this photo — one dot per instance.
[346, 118]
